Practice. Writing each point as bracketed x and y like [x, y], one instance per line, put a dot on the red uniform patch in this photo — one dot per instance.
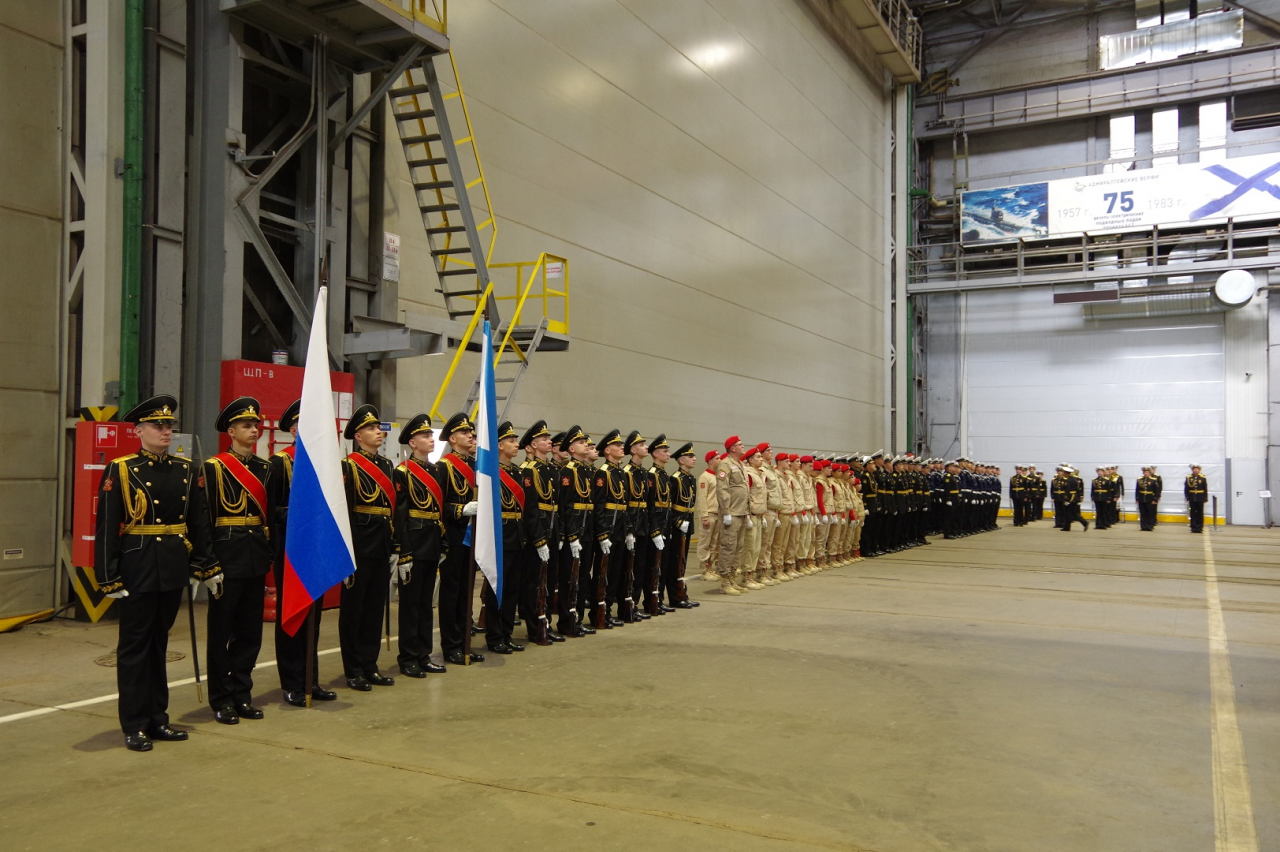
[600, 482]
[108, 484]
[566, 481]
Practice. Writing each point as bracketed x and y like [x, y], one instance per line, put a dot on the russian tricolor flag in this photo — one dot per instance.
[488, 529]
[317, 546]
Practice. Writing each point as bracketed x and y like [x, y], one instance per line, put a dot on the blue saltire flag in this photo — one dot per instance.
[487, 539]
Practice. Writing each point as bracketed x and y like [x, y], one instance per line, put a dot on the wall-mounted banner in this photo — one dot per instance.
[1190, 194]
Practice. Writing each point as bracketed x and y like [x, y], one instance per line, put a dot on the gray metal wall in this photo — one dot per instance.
[1016, 379]
[31, 57]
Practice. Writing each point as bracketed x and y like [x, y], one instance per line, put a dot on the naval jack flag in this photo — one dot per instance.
[488, 529]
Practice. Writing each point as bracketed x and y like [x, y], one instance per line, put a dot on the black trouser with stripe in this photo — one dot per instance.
[291, 651]
[1197, 516]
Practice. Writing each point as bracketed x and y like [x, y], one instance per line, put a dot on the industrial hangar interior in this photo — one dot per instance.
[884, 254]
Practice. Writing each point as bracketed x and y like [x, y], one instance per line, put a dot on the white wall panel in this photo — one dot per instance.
[1044, 386]
[713, 169]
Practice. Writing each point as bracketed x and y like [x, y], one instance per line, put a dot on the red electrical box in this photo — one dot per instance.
[97, 445]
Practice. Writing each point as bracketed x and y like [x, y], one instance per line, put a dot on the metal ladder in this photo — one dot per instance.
[509, 365]
[441, 188]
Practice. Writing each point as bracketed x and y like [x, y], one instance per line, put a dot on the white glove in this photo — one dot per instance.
[606, 547]
[470, 509]
[826, 519]
[777, 522]
[575, 549]
[659, 542]
[948, 502]
[405, 569]
[214, 585]
[350, 581]
[844, 519]
[117, 595]
[544, 553]
[795, 520]
[630, 541]
[562, 544]
[684, 527]
[750, 523]
[728, 519]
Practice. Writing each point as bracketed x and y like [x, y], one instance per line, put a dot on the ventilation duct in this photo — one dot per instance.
[1161, 305]
[1203, 34]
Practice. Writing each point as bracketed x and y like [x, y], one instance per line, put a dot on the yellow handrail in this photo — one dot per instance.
[470, 138]
[538, 272]
[437, 18]
[462, 347]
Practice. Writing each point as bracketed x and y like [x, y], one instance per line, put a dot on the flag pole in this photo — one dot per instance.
[472, 568]
[309, 679]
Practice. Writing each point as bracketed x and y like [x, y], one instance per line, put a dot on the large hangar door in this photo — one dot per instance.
[1043, 385]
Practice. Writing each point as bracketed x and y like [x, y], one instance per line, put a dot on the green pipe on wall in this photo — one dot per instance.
[131, 259]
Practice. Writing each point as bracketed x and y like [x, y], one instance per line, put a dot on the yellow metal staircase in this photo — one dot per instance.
[452, 194]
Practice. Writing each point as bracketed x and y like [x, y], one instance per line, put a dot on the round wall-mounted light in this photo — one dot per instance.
[1235, 287]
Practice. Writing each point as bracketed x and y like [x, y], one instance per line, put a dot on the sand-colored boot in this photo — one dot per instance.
[780, 575]
[793, 572]
[709, 574]
[750, 582]
[763, 578]
[728, 588]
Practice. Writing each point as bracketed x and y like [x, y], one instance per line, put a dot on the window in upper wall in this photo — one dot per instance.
[1164, 137]
[1213, 131]
[1122, 143]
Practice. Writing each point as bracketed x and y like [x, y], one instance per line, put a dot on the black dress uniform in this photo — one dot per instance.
[871, 502]
[684, 493]
[1148, 495]
[457, 482]
[576, 509]
[612, 523]
[420, 533]
[370, 503]
[291, 651]
[538, 479]
[152, 538]
[951, 508]
[500, 615]
[1196, 492]
[235, 489]
[1103, 501]
[660, 515]
[1018, 486]
[1072, 493]
[640, 520]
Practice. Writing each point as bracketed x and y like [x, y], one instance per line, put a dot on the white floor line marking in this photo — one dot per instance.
[1234, 830]
[102, 699]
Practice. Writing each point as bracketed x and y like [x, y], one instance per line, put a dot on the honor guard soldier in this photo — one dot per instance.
[538, 479]
[731, 496]
[501, 613]
[788, 464]
[611, 519]
[235, 493]
[291, 651]
[660, 452]
[1117, 488]
[1148, 495]
[1057, 489]
[152, 538]
[1018, 486]
[371, 500]
[458, 485]
[870, 500]
[420, 533]
[1196, 492]
[576, 514]
[708, 518]
[808, 520]
[645, 539]
[951, 508]
[684, 490]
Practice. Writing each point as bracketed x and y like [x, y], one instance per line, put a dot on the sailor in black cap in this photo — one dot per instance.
[291, 651]
[538, 480]
[152, 537]
[371, 501]
[419, 531]
[684, 493]
[576, 511]
[501, 614]
[640, 538]
[458, 485]
[235, 486]
[609, 495]
[660, 515]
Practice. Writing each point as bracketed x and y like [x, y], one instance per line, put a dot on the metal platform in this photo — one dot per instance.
[363, 35]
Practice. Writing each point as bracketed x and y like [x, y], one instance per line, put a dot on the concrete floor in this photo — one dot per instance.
[1019, 690]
